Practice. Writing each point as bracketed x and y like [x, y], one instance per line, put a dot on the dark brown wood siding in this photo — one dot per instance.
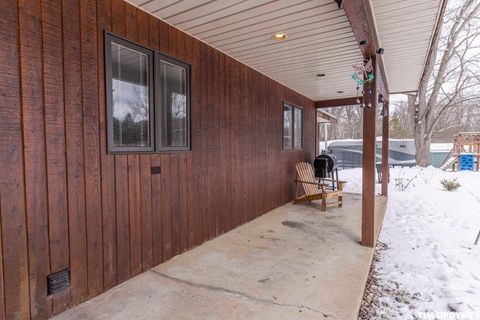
[66, 203]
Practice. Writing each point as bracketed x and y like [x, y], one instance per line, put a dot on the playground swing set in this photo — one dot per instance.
[465, 154]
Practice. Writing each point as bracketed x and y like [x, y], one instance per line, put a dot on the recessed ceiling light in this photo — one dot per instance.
[319, 75]
[279, 36]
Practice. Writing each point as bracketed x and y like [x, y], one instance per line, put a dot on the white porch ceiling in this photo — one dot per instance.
[320, 39]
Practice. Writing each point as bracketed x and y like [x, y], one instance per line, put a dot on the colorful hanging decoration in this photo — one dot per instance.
[363, 74]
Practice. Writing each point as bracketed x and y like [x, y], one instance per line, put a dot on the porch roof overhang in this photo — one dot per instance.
[325, 117]
[406, 29]
[321, 38]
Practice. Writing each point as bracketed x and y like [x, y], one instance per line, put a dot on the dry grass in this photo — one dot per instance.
[450, 185]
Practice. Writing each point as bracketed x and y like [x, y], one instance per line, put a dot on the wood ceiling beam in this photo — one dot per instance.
[341, 102]
[360, 16]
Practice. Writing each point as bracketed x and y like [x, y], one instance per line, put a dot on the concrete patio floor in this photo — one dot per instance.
[294, 262]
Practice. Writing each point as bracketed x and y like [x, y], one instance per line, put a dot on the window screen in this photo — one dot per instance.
[129, 80]
[287, 126]
[297, 134]
[292, 127]
[173, 107]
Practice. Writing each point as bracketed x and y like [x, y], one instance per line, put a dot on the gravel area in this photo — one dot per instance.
[378, 296]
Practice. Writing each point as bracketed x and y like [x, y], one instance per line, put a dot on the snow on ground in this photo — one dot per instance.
[429, 253]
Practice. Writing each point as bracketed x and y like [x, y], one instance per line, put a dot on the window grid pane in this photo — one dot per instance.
[298, 128]
[130, 97]
[173, 109]
[287, 127]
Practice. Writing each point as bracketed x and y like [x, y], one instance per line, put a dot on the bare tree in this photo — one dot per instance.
[401, 123]
[451, 73]
[349, 124]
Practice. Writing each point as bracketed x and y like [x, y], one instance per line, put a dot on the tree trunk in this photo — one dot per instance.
[420, 134]
[422, 145]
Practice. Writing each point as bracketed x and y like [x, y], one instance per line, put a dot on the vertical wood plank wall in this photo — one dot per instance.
[64, 202]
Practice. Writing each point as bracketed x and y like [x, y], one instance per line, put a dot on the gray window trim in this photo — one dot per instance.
[109, 39]
[293, 107]
[301, 129]
[154, 96]
[290, 147]
[158, 84]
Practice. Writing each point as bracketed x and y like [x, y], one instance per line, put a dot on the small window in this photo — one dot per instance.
[292, 127]
[297, 128]
[173, 117]
[287, 126]
[136, 121]
[129, 83]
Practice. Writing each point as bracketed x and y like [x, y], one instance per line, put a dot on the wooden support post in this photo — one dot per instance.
[325, 132]
[368, 170]
[360, 16]
[385, 145]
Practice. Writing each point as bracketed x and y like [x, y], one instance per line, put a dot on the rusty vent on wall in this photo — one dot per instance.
[58, 281]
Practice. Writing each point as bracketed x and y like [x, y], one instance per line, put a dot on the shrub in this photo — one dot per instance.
[450, 185]
[402, 183]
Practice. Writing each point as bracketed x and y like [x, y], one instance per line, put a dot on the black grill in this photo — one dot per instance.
[324, 165]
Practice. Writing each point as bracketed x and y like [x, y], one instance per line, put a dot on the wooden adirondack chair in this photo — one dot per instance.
[314, 190]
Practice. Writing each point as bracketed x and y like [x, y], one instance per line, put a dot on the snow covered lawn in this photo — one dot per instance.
[428, 266]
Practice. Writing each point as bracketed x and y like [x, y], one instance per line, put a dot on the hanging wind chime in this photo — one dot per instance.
[363, 74]
[381, 102]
